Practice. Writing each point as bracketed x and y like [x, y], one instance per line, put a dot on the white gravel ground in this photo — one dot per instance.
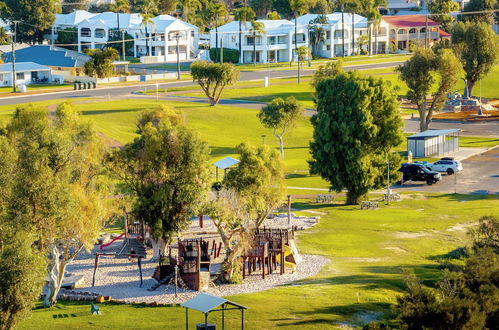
[119, 278]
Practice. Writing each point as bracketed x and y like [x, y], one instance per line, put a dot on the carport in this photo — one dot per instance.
[433, 142]
[206, 303]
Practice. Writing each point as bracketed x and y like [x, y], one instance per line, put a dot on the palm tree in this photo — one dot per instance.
[243, 15]
[216, 10]
[298, 7]
[148, 8]
[317, 32]
[121, 6]
[352, 6]
[257, 28]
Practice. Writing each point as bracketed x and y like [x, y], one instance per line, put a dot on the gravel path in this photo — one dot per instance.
[119, 278]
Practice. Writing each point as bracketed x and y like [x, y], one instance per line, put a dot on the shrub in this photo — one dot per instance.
[230, 55]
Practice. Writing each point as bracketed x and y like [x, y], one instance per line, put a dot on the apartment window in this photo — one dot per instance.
[86, 33]
[402, 31]
[299, 38]
[233, 39]
[192, 34]
[20, 76]
[328, 35]
[100, 33]
[328, 47]
[412, 30]
[282, 40]
[250, 40]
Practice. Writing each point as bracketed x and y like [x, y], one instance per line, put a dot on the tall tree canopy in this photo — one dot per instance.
[427, 73]
[56, 185]
[166, 169]
[477, 47]
[100, 64]
[35, 16]
[261, 7]
[443, 8]
[280, 116]
[213, 77]
[68, 6]
[480, 5]
[356, 128]
[243, 15]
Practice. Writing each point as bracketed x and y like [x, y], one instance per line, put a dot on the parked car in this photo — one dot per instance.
[447, 164]
[418, 172]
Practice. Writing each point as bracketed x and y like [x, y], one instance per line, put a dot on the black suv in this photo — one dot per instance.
[417, 172]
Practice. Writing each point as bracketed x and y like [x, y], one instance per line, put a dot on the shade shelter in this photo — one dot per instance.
[433, 142]
[225, 163]
[206, 303]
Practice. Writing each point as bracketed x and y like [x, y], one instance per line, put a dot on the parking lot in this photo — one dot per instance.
[480, 175]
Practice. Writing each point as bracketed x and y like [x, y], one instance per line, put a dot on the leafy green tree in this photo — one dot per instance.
[273, 15]
[213, 77]
[68, 6]
[477, 47]
[480, 5]
[257, 29]
[67, 37]
[167, 6]
[4, 38]
[243, 15]
[329, 70]
[101, 62]
[114, 38]
[356, 128]
[21, 277]
[36, 17]
[280, 116]
[57, 186]
[425, 70]
[215, 14]
[166, 171]
[261, 7]
[317, 33]
[258, 180]
[443, 8]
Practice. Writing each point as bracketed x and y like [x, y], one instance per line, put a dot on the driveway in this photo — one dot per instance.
[480, 175]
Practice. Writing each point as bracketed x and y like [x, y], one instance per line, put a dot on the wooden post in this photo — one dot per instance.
[198, 267]
[126, 225]
[201, 220]
[186, 318]
[289, 210]
[223, 317]
[95, 268]
[242, 318]
[139, 263]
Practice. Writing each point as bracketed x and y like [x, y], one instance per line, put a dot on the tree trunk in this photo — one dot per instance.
[343, 31]
[231, 268]
[370, 39]
[216, 42]
[281, 145]
[423, 125]
[353, 33]
[158, 248]
[147, 43]
[213, 101]
[56, 270]
[254, 47]
[470, 84]
[354, 197]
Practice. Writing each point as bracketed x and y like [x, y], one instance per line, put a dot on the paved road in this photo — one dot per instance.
[467, 128]
[480, 175]
[125, 90]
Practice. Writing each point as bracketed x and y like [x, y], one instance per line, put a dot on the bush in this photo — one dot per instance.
[230, 55]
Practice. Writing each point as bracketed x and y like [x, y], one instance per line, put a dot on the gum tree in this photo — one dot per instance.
[213, 78]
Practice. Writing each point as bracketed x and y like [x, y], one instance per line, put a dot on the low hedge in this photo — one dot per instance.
[230, 55]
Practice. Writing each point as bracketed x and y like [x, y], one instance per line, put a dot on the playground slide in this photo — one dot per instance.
[289, 258]
[107, 244]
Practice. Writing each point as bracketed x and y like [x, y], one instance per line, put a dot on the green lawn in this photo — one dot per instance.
[368, 251]
[35, 87]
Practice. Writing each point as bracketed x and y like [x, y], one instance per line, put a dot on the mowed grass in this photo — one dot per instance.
[367, 252]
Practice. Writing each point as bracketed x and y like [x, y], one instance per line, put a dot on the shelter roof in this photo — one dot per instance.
[409, 21]
[23, 67]
[206, 303]
[433, 133]
[226, 163]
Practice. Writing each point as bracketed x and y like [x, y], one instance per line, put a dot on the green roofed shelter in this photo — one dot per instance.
[206, 303]
[225, 163]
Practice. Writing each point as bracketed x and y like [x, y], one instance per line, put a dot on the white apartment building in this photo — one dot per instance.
[95, 30]
[274, 44]
[160, 41]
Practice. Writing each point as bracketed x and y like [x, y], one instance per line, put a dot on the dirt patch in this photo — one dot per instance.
[315, 212]
[110, 142]
[462, 226]
[356, 259]
[405, 234]
[395, 249]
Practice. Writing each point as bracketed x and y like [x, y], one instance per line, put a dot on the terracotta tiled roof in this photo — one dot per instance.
[409, 21]
[444, 34]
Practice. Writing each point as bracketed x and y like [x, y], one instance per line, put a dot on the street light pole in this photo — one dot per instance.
[388, 181]
[177, 36]
[123, 44]
[14, 75]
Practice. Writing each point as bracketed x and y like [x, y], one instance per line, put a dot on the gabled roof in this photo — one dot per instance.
[49, 55]
[401, 4]
[23, 67]
[110, 20]
[409, 21]
[205, 303]
[73, 18]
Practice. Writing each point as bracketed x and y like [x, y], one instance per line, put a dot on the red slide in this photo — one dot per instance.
[107, 244]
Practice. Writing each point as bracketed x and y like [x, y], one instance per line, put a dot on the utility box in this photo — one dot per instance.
[205, 326]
